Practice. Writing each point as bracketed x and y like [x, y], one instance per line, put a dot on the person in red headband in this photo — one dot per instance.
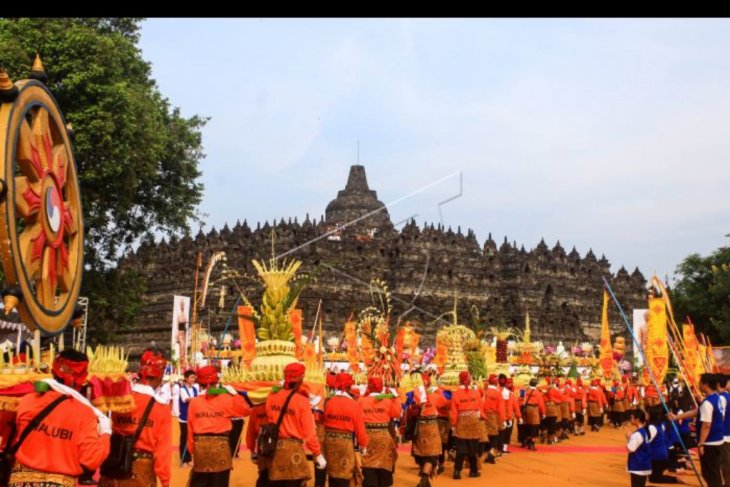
[633, 398]
[426, 446]
[79, 441]
[343, 422]
[379, 410]
[442, 401]
[618, 407]
[298, 430]
[596, 401]
[533, 413]
[579, 400]
[320, 475]
[209, 429]
[567, 409]
[553, 398]
[152, 450]
[511, 409]
[494, 416]
[466, 407]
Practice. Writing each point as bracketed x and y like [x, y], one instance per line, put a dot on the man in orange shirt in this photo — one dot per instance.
[579, 404]
[597, 402]
[257, 419]
[289, 466]
[651, 397]
[619, 404]
[209, 429]
[152, 450]
[494, 415]
[343, 423]
[74, 436]
[444, 423]
[633, 398]
[320, 475]
[553, 398]
[466, 404]
[512, 411]
[426, 446]
[379, 410]
[567, 408]
[533, 413]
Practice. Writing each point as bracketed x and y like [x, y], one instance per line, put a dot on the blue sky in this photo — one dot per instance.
[608, 134]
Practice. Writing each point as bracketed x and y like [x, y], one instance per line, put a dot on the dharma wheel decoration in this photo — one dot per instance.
[41, 228]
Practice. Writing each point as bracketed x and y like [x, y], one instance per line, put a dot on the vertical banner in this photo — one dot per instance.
[351, 340]
[693, 364]
[641, 319]
[180, 320]
[606, 351]
[295, 318]
[657, 349]
[246, 333]
[442, 348]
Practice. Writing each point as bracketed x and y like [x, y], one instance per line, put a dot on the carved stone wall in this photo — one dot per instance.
[423, 266]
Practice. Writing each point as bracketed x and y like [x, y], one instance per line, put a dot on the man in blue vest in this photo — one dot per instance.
[725, 458]
[188, 390]
[711, 428]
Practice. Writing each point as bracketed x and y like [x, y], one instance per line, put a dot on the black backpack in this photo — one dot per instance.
[118, 464]
[269, 433]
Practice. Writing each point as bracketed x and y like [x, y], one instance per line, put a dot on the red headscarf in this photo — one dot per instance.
[568, 382]
[493, 379]
[375, 384]
[579, 382]
[464, 378]
[207, 375]
[596, 382]
[72, 373]
[293, 373]
[152, 364]
[344, 381]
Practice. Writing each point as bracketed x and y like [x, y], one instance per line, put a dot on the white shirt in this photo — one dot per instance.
[176, 400]
[164, 393]
[706, 411]
[148, 390]
[505, 394]
[635, 441]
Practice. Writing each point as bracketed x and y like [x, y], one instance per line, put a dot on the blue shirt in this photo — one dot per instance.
[192, 392]
[717, 420]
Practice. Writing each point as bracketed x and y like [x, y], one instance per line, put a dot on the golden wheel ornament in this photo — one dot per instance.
[41, 228]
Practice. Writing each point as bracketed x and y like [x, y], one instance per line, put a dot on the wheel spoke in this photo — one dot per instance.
[27, 197]
[27, 163]
[70, 220]
[59, 165]
[42, 138]
[65, 278]
[46, 289]
[26, 250]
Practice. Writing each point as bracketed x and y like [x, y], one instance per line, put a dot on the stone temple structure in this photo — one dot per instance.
[424, 266]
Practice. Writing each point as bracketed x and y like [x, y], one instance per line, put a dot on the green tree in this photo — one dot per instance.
[138, 158]
[703, 293]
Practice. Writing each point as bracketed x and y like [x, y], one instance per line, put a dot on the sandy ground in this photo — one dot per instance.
[596, 459]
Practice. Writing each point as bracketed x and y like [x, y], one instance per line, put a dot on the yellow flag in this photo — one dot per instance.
[657, 349]
[606, 355]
